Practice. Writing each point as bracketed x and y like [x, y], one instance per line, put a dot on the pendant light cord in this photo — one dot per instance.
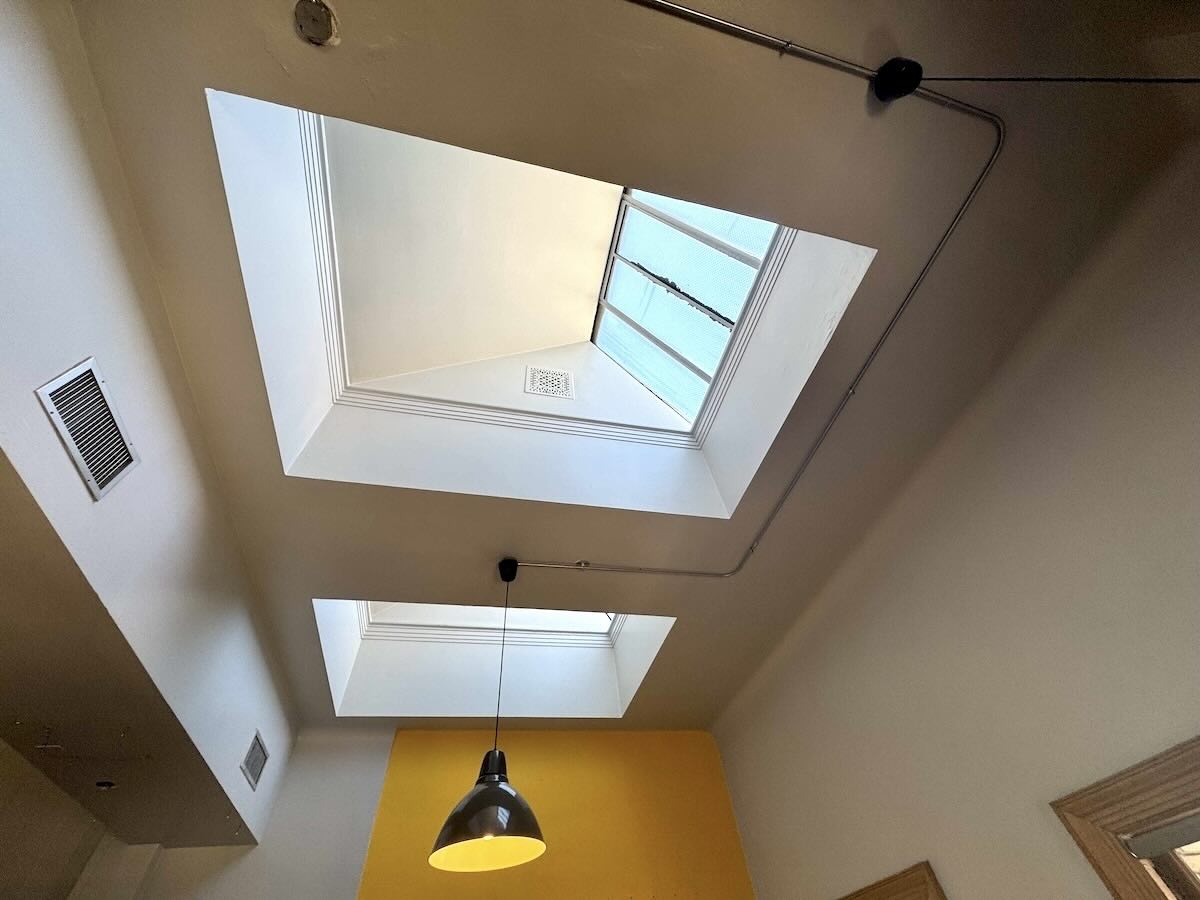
[500, 683]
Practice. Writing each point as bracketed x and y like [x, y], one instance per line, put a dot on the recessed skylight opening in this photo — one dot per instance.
[438, 318]
[434, 660]
[676, 283]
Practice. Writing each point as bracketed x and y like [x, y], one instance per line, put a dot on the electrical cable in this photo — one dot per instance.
[500, 682]
[790, 48]
[897, 78]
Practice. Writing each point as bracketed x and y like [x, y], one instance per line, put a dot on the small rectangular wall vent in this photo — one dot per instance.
[80, 407]
[550, 382]
[255, 761]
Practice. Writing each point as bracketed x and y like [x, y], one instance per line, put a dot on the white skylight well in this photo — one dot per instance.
[605, 346]
[677, 280]
[436, 660]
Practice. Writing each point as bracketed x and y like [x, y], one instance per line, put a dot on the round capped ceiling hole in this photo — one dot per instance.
[316, 23]
[105, 785]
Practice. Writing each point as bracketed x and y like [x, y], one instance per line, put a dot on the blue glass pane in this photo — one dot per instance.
[691, 333]
[718, 281]
[671, 381]
[751, 235]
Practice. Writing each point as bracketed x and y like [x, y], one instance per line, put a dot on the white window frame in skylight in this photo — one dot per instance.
[484, 622]
[661, 280]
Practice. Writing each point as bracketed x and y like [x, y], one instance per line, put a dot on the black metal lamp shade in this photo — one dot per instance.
[491, 828]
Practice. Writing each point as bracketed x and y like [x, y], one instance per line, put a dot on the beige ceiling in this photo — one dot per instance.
[446, 256]
[634, 97]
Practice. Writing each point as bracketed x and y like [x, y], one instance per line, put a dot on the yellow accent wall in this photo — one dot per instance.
[627, 815]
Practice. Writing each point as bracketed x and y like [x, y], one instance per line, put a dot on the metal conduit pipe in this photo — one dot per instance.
[790, 48]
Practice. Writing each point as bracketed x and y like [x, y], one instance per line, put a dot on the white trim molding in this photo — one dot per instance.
[372, 628]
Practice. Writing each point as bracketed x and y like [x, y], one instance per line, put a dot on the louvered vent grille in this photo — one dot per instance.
[82, 411]
[255, 761]
[550, 382]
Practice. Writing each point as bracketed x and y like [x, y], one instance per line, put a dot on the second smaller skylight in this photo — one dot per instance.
[677, 280]
[552, 621]
[431, 660]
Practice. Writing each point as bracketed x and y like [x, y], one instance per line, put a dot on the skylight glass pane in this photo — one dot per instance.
[448, 616]
[717, 280]
[687, 330]
[559, 620]
[752, 235]
[1190, 854]
[679, 277]
[679, 387]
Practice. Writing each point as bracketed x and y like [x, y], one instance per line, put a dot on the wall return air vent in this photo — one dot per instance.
[550, 382]
[80, 407]
[255, 761]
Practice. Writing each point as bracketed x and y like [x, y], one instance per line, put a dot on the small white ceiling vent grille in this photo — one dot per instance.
[80, 407]
[550, 382]
[255, 761]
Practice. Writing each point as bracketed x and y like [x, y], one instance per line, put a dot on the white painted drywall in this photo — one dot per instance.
[1019, 624]
[316, 841]
[604, 392]
[815, 284]
[449, 256]
[263, 169]
[635, 649]
[500, 461]
[433, 679]
[340, 633]
[77, 283]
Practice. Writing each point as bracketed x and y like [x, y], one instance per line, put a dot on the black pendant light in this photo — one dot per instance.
[492, 827]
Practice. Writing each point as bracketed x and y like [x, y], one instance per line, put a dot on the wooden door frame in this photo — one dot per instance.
[915, 883]
[1155, 792]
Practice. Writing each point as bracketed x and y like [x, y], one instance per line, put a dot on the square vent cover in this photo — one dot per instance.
[550, 382]
[255, 761]
[82, 411]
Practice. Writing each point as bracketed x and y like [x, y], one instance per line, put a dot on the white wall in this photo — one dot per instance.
[813, 286]
[341, 636]
[635, 650]
[432, 679]
[473, 457]
[426, 230]
[263, 170]
[1020, 623]
[316, 841]
[77, 282]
